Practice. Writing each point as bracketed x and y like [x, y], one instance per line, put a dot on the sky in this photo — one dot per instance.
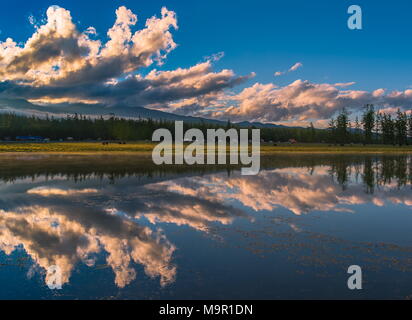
[290, 62]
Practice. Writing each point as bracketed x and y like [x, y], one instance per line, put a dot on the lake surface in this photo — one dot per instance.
[120, 228]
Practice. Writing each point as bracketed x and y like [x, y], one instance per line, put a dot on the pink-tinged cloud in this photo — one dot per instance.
[296, 66]
[304, 101]
[293, 68]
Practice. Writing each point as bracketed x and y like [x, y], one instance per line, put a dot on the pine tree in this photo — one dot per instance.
[401, 127]
[357, 130]
[312, 133]
[388, 129]
[368, 122]
[332, 130]
[342, 123]
[378, 127]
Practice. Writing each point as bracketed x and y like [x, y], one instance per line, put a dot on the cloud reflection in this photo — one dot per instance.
[65, 223]
[64, 235]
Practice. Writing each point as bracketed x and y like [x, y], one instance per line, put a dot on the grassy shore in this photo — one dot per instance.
[77, 147]
[146, 148]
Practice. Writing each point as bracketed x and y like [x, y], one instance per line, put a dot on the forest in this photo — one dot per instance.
[371, 127]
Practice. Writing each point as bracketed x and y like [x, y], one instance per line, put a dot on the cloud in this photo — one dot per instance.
[215, 56]
[61, 64]
[156, 89]
[58, 54]
[46, 192]
[293, 68]
[344, 84]
[296, 66]
[303, 100]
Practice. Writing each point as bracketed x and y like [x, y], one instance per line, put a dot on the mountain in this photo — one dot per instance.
[21, 106]
[260, 125]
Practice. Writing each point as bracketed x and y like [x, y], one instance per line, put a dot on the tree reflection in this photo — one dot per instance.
[374, 171]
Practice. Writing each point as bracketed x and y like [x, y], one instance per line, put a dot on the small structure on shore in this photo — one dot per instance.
[293, 141]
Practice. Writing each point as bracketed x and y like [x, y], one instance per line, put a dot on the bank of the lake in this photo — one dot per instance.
[147, 147]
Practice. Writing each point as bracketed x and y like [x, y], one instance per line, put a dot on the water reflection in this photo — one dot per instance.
[69, 211]
[60, 231]
[374, 172]
[300, 190]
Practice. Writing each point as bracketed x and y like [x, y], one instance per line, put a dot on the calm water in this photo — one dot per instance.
[120, 228]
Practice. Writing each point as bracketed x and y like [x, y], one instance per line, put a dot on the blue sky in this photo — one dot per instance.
[261, 36]
[264, 36]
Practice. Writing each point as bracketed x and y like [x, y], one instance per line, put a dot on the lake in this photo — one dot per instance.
[119, 227]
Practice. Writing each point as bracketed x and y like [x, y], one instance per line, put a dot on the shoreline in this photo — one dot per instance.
[88, 148]
[145, 149]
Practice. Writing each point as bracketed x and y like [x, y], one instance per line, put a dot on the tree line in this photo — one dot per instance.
[373, 127]
[79, 127]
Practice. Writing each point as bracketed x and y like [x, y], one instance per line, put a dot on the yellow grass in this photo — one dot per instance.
[147, 147]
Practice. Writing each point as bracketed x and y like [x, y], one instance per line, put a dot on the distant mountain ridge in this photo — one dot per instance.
[21, 106]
